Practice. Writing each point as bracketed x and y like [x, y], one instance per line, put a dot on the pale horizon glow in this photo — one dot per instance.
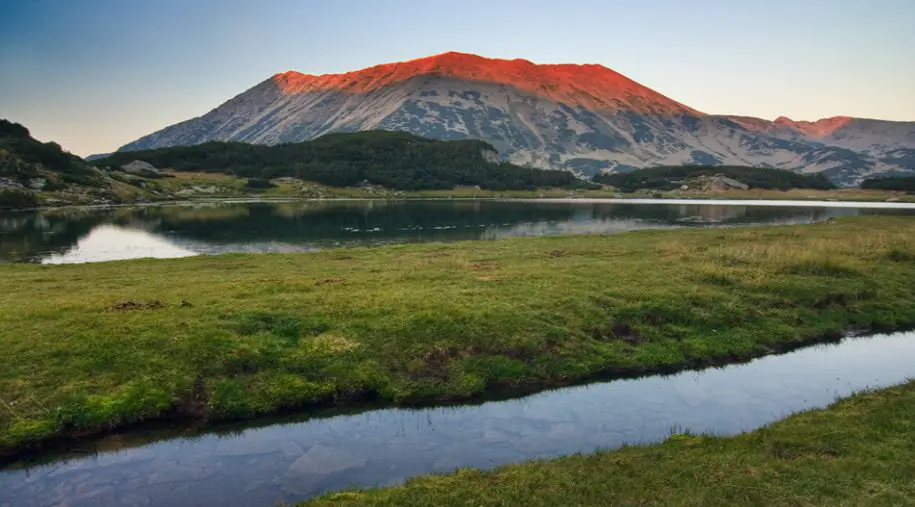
[96, 74]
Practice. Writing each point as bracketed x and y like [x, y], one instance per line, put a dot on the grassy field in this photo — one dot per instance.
[90, 348]
[860, 451]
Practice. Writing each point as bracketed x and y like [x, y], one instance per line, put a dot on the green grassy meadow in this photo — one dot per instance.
[88, 349]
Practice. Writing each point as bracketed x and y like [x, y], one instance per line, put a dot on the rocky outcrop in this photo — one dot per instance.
[139, 167]
[720, 183]
[305, 475]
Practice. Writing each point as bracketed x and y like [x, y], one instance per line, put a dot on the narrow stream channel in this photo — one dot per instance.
[290, 462]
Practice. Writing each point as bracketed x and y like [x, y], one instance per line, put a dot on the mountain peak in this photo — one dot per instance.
[819, 128]
[591, 86]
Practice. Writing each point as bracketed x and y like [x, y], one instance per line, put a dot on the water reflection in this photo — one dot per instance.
[290, 462]
[93, 234]
[111, 242]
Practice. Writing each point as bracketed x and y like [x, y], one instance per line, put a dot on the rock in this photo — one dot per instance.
[292, 450]
[10, 184]
[323, 460]
[307, 473]
[491, 156]
[139, 167]
[37, 183]
[893, 199]
[684, 187]
[721, 182]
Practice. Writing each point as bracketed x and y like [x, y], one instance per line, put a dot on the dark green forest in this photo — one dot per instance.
[903, 183]
[671, 177]
[396, 160]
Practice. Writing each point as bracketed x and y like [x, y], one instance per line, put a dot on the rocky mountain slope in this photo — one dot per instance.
[582, 118]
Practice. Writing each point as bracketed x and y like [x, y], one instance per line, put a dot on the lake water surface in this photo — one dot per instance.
[88, 234]
[260, 466]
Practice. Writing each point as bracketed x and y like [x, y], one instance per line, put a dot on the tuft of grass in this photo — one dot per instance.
[857, 452]
[243, 335]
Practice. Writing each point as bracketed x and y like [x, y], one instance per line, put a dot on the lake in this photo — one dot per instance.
[90, 234]
[261, 464]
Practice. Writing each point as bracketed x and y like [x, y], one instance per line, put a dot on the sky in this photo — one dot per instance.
[93, 75]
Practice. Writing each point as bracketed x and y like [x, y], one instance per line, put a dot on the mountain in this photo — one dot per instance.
[95, 156]
[583, 118]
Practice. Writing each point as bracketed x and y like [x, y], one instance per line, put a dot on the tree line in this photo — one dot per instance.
[396, 160]
[899, 183]
[671, 177]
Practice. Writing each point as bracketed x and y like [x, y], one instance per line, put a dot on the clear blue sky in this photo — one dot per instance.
[94, 74]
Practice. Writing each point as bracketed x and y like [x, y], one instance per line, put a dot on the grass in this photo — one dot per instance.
[860, 451]
[193, 185]
[86, 349]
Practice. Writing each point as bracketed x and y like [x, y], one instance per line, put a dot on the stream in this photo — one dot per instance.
[293, 461]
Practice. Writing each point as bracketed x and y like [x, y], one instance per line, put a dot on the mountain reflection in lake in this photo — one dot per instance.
[177, 230]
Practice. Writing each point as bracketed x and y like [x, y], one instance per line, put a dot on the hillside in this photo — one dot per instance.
[582, 118]
[28, 166]
[396, 160]
[670, 178]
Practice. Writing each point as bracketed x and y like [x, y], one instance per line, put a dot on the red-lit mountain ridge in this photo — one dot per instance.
[583, 118]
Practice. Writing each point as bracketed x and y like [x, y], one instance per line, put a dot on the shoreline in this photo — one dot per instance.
[709, 201]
